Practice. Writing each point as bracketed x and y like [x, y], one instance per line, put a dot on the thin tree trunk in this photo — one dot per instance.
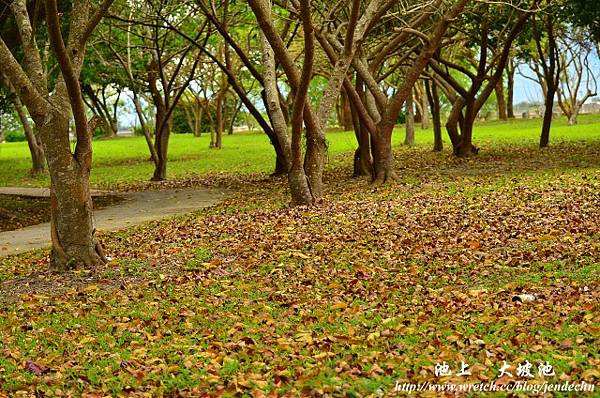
[510, 89]
[424, 111]
[220, 116]
[434, 104]
[346, 121]
[144, 126]
[198, 114]
[233, 117]
[163, 131]
[35, 146]
[500, 100]
[551, 72]
[363, 164]
[417, 111]
[454, 121]
[272, 100]
[548, 110]
[409, 138]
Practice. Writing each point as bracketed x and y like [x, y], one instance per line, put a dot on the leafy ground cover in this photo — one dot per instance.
[21, 211]
[374, 287]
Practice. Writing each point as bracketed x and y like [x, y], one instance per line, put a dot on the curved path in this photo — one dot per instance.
[137, 208]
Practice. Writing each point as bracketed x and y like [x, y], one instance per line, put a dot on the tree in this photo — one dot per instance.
[577, 81]
[487, 36]
[378, 69]
[549, 75]
[170, 63]
[238, 36]
[36, 150]
[72, 226]
[434, 104]
[306, 184]
[409, 138]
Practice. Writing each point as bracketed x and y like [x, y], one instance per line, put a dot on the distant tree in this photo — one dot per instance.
[34, 143]
[485, 38]
[578, 81]
[409, 137]
[546, 64]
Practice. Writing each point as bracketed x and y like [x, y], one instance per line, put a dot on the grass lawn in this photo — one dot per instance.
[125, 160]
[372, 288]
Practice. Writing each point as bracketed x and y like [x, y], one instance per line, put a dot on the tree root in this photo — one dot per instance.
[384, 177]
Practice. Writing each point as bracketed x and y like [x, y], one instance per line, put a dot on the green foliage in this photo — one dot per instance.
[585, 13]
[180, 124]
[401, 117]
[14, 136]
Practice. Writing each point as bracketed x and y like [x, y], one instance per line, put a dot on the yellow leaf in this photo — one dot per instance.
[591, 373]
[87, 340]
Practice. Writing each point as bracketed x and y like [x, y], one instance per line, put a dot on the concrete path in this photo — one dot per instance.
[137, 208]
[39, 192]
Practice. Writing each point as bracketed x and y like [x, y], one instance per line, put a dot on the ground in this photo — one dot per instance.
[373, 287]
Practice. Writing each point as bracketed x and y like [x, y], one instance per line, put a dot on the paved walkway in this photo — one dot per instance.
[39, 192]
[137, 208]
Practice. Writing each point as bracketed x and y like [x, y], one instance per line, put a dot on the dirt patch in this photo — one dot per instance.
[18, 212]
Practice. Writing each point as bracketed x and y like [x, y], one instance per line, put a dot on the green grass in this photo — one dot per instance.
[125, 160]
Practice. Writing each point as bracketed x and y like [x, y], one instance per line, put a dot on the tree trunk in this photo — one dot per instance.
[510, 89]
[552, 78]
[409, 138]
[548, 110]
[163, 131]
[213, 134]
[383, 157]
[454, 121]
[417, 111]
[233, 117]
[345, 113]
[363, 163]
[72, 228]
[314, 162]
[500, 100]
[220, 122]
[434, 104]
[144, 126]
[198, 113]
[299, 187]
[272, 100]
[573, 118]
[35, 146]
[465, 146]
[424, 112]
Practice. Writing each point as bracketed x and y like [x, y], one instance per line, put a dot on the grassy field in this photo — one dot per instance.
[374, 287]
[124, 160]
